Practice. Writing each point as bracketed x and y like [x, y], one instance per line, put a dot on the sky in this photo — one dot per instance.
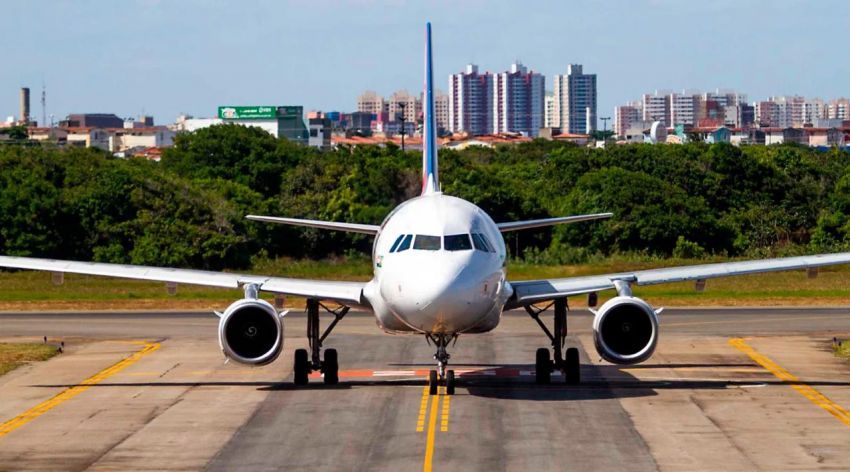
[164, 58]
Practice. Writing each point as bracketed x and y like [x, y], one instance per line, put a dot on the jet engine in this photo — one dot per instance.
[625, 330]
[251, 332]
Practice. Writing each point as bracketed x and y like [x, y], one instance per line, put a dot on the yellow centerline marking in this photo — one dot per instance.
[423, 411]
[444, 415]
[72, 392]
[807, 391]
[432, 429]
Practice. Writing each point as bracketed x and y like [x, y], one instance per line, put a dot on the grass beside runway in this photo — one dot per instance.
[14, 355]
[842, 349]
[34, 291]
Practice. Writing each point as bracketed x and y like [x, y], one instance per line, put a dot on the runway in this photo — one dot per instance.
[727, 389]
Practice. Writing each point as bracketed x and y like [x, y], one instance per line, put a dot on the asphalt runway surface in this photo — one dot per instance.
[728, 389]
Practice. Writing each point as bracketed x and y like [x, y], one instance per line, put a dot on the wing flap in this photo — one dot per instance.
[534, 291]
[339, 291]
[527, 224]
[331, 225]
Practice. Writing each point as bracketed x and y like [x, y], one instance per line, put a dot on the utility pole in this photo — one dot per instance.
[402, 105]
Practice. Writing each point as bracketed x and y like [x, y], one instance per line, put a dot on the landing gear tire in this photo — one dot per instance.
[450, 382]
[572, 367]
[301, 367]
[330, 367]
[432, 382]
[543, 367]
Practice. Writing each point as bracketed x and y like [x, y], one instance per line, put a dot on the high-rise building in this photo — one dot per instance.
[371, 102]
[789, 111]
[518, 101]
[471, 102]
[684, 108]
[625, 116]
[656, 107]
[838, 109]
[813, 110]
[402, 101]
[575, 94]
[441, 110]
[767, 114]
[548, 110]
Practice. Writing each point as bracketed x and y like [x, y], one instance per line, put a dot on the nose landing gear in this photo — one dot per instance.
[441, 375]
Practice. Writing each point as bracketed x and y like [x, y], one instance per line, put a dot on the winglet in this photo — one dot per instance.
[430, 174]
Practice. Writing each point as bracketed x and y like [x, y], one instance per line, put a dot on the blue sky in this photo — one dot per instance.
[167, 57]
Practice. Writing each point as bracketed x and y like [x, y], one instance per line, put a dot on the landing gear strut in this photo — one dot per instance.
[441, 375]
[568, 364]
[302, 365]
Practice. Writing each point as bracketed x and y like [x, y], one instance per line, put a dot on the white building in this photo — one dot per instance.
[656, 107]
[624, 117]
[684, 109]
[371, 102]
[403, 102]
[839, 109]
[441, 110]
[574, 94]
[471, 102]
[518, 101]
[548, 110]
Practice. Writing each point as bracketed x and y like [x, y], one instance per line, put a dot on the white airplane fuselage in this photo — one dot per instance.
[439, 268]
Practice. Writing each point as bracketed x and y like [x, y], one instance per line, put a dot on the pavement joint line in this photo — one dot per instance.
[761, 320]
[73, 391]
[432, 429]
[812, 394]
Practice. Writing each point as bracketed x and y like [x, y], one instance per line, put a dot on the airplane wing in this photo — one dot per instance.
[350, 227]
[517, 225]
[533, 291]
[348, 293]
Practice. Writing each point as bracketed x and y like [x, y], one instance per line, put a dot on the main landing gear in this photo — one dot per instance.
[441, 375]
[544, 365]
[329, 366]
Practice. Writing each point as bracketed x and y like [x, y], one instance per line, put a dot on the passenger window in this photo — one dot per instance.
[405, 243]
[481, 243]
[396, 243]
[427, 243]
[457, 242]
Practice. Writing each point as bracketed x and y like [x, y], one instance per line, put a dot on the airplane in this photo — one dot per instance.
[439, 267]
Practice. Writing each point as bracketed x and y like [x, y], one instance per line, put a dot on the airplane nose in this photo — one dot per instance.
[439, 298]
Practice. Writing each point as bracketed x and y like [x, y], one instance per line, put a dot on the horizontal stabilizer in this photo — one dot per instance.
[518, 225]
[333, 225]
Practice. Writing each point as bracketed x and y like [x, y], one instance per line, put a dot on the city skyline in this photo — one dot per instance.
[191, 56]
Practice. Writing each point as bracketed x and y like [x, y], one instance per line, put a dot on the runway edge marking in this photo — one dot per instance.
[807, 391]
[71, 392]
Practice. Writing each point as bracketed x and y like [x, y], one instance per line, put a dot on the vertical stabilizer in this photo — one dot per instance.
[430, 175]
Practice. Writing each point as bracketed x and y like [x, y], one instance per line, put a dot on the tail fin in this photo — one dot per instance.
[430, 174]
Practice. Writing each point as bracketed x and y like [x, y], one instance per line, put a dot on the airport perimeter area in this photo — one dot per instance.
[728, 389]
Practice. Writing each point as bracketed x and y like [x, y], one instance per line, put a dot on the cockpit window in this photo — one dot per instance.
[396, 243]
[427, 243]
[481, 243]
[405, 243]
[457, 242]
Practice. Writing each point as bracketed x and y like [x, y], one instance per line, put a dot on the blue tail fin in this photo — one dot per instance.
[430, 174]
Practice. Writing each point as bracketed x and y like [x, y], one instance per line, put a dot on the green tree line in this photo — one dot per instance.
[188, 210]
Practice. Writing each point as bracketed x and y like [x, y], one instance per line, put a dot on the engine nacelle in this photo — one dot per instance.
[251, 332]
[625, 330]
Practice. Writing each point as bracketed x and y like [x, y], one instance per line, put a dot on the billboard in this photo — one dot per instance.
[247, 113]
